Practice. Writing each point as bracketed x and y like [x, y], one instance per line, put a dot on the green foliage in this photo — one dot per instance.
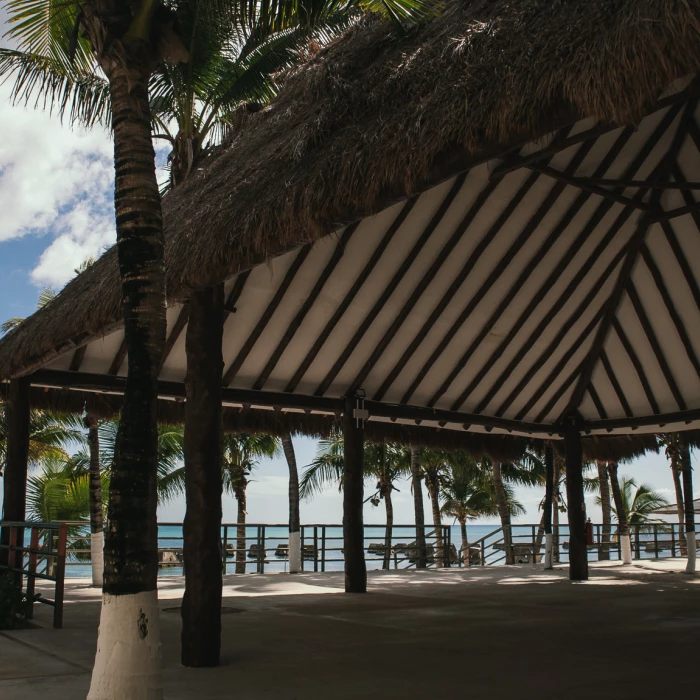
[14, 604]
[640, 502]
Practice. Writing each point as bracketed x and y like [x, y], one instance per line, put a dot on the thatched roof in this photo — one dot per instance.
[377, 117]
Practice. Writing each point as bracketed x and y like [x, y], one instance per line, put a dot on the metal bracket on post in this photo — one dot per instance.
[360, 413]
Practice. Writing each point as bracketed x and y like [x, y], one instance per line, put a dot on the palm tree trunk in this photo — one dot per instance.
[418, 506]
[131, 542]
[387, 488]
[623, 532]
[503, 511]
[465, 541]
[604, 486]
[353, 496]
[550, 500]
[96, 536]
[201, 604]
[538, 539]
[241, 550]
[676, 471]
[14, 480]
[294, 519]
[433, 492]
[689, 503]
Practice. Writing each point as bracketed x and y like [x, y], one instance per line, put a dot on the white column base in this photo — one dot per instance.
[626, 549]
[692, 547]
[97, 557]
[294, 552]
[128, 659]
[548, 549]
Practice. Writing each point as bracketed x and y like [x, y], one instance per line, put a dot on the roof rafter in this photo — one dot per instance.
[615, 383]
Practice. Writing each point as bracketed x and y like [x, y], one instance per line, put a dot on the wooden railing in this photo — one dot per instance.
[25, 549]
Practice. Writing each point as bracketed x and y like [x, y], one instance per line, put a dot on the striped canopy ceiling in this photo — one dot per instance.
[565, 277]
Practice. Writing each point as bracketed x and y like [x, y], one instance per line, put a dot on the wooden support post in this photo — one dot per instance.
[578, 552]
[688, 503]
[17, 456]
[353, 478]
[548, 500]
[201, 605]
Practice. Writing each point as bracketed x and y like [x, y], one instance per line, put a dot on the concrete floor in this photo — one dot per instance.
[506, 632]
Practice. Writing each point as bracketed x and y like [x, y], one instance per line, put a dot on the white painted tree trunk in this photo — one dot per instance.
[548, 547]
[626, 549]
[128, 659]
[97, 557]
[294, 552]
[692, 546]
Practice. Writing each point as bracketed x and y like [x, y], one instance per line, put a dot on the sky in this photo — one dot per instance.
[56, 210]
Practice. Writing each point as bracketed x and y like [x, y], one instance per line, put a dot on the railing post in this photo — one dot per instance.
[323, 547]
[60, 576]
[224, 552]
[534, 546]
[315, 549]
[261, 550]
[31, 574]
[12, 556]
[302, 548]
[656, 541]
[673, 541]
[636, 542]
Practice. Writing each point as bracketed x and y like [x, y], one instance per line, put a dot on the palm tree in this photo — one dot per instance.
[294, 518]
[240, 455]
[639, 502]
[672, 447]
[435, 466]
[468, 493]
[417, 488]
[385, 462]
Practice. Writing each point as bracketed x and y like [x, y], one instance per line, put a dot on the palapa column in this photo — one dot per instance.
[15, 476]
[688, 503]
[548, 499]
[353, 492]
[201, 605]
[578, 551]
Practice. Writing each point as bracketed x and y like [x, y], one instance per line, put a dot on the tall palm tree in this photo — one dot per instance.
[419, 514]
[384, 463]
[468, 493]
[294, 518]
[435, 466]
[620, 509]
[240, 455]
[672, 447]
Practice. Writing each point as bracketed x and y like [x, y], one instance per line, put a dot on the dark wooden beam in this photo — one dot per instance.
[592, 188]
[235, 294]
[201, 604]
[353, 500]
[636, 363]
[421, 413]
[552, 278]
[466, 270]
[682, 262]
[350, 296]
[671, 308]
[611, 307]
[576, 510]
[622, 183]
[476, 298]
[530, 227]
[615, 384]
[674, 213]
[306, 306]
[118, 359]
[563, 331]
[582, 272]
[243, 353]
[556, 397]
[661, 420]
[175, 333]
[77, 359]
[655, 346]
[602, 413]
[14, 476]
[429, 277]
[511, 163]
[112, 384]
[393, 284]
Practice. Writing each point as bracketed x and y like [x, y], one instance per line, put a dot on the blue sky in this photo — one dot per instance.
[56, 210]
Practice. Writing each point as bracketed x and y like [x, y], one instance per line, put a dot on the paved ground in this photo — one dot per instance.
[508, 632]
